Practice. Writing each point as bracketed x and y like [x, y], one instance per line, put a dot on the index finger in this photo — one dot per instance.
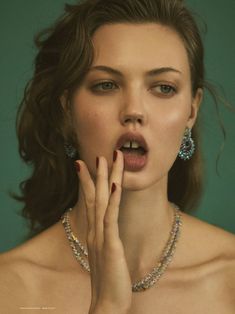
[88, 189]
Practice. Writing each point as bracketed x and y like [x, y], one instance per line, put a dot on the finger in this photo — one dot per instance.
[117, 171]
[111, 232]
[88, 190]
[101, 197]
[111, 216]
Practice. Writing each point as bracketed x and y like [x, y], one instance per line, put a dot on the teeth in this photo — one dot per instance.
[127, 145]
[134, 145]
[131, 144]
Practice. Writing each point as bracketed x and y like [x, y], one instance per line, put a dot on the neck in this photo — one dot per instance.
[145, 221]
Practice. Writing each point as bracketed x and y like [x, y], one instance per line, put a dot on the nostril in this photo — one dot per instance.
[133, 118]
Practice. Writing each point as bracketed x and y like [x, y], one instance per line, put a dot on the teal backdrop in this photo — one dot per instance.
[20, 20]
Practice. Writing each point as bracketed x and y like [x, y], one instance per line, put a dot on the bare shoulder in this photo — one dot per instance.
[12, 284]
[34, 274]
[38, 255]
[26, 268]
[26, 262]
[212, 241]
[42, 251]
[214, 249]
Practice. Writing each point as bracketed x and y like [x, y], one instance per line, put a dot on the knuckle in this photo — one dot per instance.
[99, 220]
[90, 238]
[107, 221]
[118, 186]
[101, 175]
[97, 246]
[99, 201]
[113, 246]
[89, 202]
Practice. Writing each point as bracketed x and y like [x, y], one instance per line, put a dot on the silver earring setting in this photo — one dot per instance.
[187, 148]
[70, 151]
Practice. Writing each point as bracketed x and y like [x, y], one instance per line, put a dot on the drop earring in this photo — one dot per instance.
[187, 148]
[70, 151]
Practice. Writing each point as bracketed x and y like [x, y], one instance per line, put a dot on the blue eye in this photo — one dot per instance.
[165, 89]
[103, 86]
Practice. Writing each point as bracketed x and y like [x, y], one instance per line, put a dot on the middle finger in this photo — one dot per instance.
[101, 196]
[117, 171]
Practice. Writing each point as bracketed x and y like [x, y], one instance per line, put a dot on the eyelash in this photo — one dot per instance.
[101, 84]
[173, 89]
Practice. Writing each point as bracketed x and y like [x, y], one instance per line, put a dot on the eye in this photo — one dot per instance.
[165, 89]
[103, 86]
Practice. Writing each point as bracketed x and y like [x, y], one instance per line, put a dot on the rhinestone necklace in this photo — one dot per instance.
[151, 278]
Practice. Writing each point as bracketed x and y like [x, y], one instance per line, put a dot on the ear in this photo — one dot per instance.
[196, 102]
[66, 106]
[68, 121]
[64, 100]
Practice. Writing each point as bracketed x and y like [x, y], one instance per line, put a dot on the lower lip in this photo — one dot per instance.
[134, 162]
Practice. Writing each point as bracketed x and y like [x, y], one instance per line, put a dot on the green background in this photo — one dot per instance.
[20, 20]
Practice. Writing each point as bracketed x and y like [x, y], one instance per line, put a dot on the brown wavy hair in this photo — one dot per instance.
[65, 53]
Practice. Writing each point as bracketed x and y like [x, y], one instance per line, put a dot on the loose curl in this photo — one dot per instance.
[65, 53]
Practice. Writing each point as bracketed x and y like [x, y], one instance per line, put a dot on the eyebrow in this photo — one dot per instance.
[150, 73]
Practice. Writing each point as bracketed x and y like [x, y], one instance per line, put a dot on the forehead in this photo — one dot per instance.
[139, 46]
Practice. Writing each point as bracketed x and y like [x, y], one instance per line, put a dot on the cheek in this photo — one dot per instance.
[168, 130]
[90, 125]
[175, 123]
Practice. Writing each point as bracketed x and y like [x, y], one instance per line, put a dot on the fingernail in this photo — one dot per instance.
[97, 162]
[77, 166]
[114, 155]
[113, 189]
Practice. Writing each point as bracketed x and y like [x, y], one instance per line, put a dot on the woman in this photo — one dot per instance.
[109, 123]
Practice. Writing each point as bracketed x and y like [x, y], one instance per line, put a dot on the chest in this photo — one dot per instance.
[183, 299]
[196, 290]
[74, 297]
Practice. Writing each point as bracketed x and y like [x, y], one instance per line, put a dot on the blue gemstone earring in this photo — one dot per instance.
[70, 151]
[188, 146]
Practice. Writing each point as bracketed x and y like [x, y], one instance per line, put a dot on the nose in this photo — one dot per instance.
[133, 112]
[133, 118]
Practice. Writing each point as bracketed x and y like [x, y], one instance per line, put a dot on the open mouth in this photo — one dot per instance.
[136, 151]
[135, 159]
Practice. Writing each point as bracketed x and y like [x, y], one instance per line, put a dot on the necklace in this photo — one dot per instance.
[148, 280]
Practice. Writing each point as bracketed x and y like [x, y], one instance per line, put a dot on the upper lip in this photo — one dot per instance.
[130, 136]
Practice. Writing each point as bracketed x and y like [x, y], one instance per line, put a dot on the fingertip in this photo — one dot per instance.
[121, 153]
[77, 166]
[113, 189]
[115, 153]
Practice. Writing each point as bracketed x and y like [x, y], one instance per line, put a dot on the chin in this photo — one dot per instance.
[138, 181]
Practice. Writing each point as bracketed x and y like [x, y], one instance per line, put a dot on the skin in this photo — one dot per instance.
[159, 107]
[100, 118]
[126, 231]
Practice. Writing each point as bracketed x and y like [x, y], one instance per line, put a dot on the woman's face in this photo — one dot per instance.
[103, 106]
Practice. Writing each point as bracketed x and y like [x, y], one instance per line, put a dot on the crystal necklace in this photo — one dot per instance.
[148, 280]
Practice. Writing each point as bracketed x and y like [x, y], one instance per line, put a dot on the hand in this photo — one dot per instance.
[110, 278]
